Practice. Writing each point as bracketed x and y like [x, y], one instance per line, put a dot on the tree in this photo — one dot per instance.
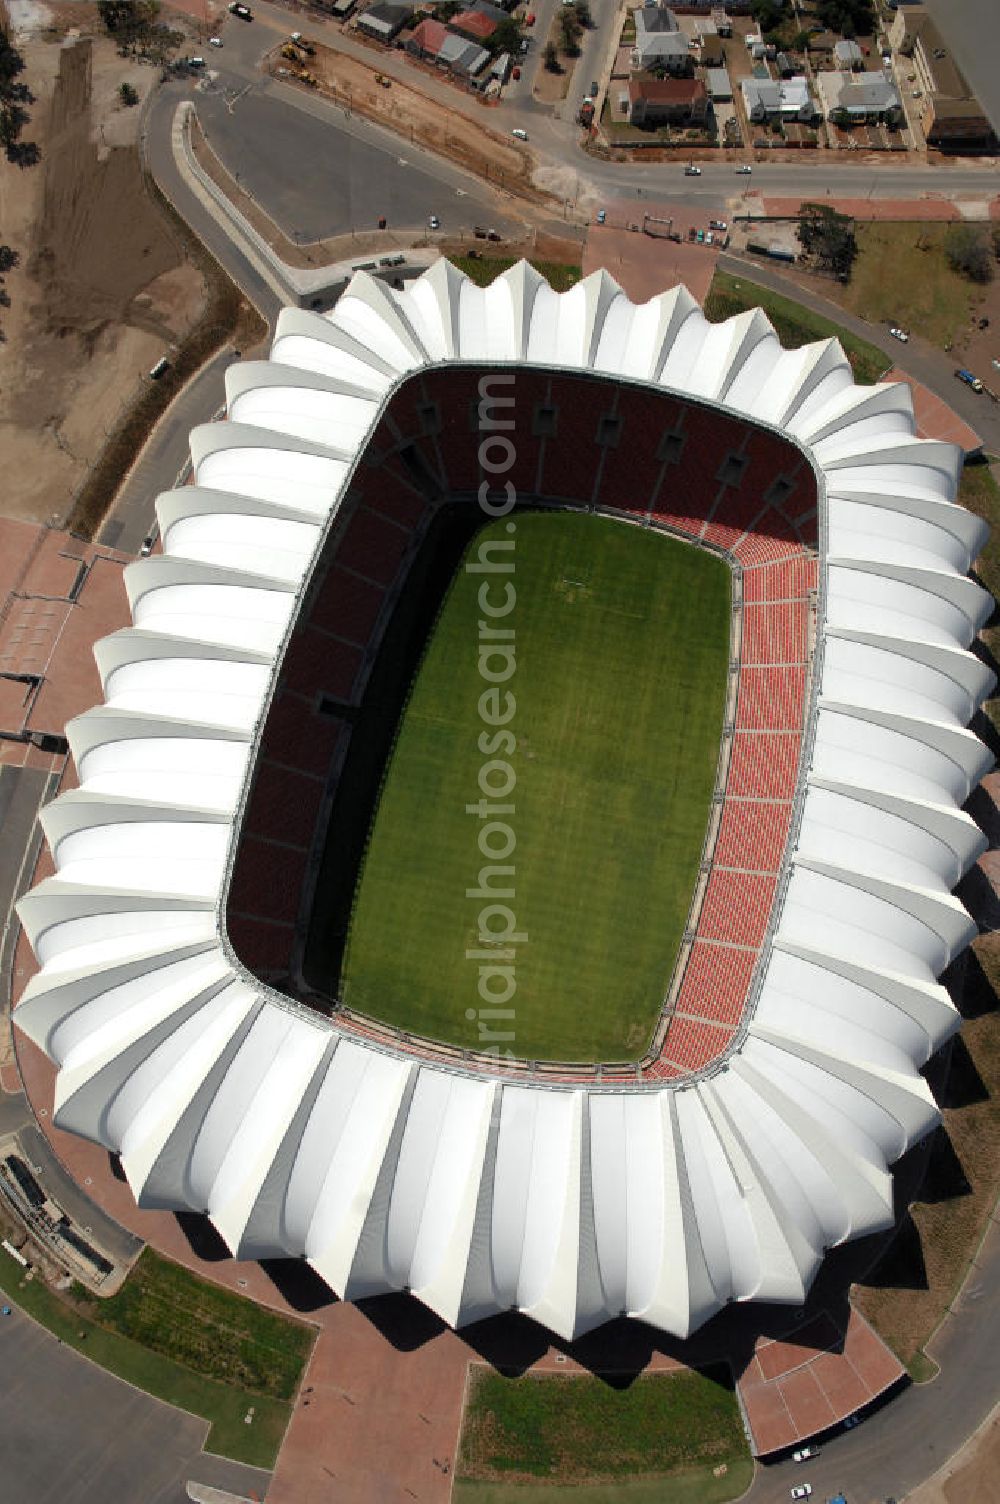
[828, 236]
[850, 17]
[583, 14]
[128, 95]
[968, 252]
[9, 258]
[551, 58]
[506, 38]
[768, 13]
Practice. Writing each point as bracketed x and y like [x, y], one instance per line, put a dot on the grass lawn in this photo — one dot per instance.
[581, 1430]
[691, 1486]
[622, 645]
[213, 1331]
[795, 323]
[224, 1406]
[485, 269]
[902, 276]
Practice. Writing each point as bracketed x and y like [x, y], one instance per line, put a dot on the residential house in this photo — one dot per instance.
[384, 20]
[473, 25]
[863, 97]
[667, 101]
[659, 44]
[433, 42]
[787, 99]
[847, 55]
[718, 84]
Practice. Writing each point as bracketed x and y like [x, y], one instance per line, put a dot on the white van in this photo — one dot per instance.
[521, 135]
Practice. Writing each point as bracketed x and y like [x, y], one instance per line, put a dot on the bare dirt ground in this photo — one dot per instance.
[971, 1475]
[103, 286]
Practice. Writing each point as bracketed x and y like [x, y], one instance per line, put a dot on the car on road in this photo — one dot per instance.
[745, 169]
[595, 89]
[969, 379]
[804, 1454]
[434, 222]
[215, 41]
[802, 1491]
[243, 11]
[899, 334]
[691, 171]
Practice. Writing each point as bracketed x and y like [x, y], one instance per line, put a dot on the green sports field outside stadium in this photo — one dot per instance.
[617, 672]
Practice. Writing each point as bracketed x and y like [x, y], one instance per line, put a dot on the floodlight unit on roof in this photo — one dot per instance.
[386, 1169]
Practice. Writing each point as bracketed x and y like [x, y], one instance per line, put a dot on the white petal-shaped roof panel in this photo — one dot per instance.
[386, 1164]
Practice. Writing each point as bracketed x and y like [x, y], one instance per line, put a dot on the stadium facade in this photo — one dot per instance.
[387, 1164]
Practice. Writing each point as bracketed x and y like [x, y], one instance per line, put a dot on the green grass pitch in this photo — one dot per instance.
[622, 646]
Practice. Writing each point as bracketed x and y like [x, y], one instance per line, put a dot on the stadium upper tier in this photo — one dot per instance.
[384, 1166]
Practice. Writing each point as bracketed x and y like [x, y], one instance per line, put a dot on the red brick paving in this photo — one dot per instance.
[645, 265]
[872, 208]
[935, 419]
[794, 1388]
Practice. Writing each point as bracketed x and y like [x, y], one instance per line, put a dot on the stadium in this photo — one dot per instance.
[743, 686]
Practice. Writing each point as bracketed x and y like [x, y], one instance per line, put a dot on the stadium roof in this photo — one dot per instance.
[388, 1170]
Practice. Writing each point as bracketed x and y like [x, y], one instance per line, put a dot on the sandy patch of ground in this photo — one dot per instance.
[84, 325]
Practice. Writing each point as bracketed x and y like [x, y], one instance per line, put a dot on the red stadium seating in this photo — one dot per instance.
[715, 984]
[752, 834]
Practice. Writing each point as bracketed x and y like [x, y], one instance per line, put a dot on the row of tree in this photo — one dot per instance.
[15, 96]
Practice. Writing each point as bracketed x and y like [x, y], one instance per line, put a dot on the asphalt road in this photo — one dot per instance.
[919, 358]
[112, 1443]
[347, 171]
[165, 454]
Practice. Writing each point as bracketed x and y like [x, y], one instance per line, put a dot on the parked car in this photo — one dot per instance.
[853, 1420]
[243, 11]
[970, 380]
[718, 224]
[804, 1454]
[745, 170]
[515, 72]
[595, 89]
[525, 44]
[215, 41]
[899, 334]
[801, 1492]
[434, 222]
[602, 216]
[519, 133]
[529, 19]
[691, 171]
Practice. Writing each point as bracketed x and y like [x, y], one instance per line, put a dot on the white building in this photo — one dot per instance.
[786, 99]
[384, 1167]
